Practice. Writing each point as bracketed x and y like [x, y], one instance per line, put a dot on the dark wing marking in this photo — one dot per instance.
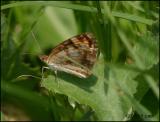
[81, 48]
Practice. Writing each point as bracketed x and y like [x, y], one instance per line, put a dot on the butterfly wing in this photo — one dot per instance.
[75, 55]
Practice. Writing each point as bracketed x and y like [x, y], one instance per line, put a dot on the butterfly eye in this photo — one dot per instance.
[43, 58]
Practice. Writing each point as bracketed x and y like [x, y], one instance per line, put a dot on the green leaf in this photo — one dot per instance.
[79, 7]
[110, 91]
[98, 91]
[146, 47]
[133, 17]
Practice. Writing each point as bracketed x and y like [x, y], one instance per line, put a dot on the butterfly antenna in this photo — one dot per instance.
[33, 35]
[28, 76]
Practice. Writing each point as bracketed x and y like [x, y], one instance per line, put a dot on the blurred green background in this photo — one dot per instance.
[125, 85]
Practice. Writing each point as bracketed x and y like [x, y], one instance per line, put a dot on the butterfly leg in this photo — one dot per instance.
[55, 71]
[43, 71]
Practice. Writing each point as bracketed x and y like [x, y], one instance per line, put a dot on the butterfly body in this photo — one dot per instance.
[76, 55]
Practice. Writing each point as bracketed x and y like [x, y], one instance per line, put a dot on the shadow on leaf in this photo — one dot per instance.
[84, 83]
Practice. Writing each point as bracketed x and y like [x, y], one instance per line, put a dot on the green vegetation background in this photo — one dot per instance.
[125, 80]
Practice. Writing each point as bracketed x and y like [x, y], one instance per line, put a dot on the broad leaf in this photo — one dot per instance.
[105, 91]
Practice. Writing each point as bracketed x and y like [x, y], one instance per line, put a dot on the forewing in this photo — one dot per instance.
[81, 49]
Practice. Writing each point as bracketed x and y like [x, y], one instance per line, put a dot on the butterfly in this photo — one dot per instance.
[75, 56]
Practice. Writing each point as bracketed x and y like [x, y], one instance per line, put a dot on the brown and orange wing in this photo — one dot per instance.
[81, 49]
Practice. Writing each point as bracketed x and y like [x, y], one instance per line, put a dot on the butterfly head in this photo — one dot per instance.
[44, 58]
